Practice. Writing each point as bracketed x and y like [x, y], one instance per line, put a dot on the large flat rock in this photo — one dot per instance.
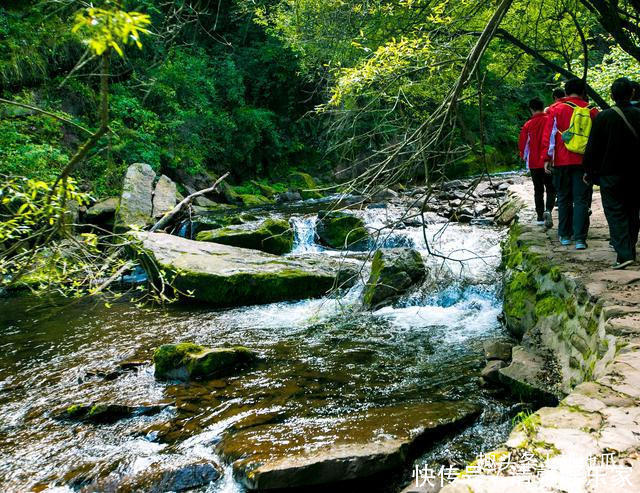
[223, 275]
[308, 452]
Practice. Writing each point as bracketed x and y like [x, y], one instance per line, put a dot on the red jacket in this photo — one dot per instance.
[559, 117]
[530, 141]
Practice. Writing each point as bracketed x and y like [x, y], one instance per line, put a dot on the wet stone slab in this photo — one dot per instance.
[309, 452]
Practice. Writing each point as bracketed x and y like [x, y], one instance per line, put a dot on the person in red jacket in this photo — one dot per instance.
[573, 192]
[530, 146]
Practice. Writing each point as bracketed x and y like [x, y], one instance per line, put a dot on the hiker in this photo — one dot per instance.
[565, 138]
[557, 94]
[530, 146]
[611, 159]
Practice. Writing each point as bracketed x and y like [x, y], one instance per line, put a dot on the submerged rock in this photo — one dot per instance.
[272, 236]
[105, 413]
[136, 206]
[191, 361]
[337, 229]
[161, 477]
[225, 276]
[164, 197]
[393, 272]
[304, 453]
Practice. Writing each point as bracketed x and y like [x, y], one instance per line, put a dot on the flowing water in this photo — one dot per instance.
[319, 359]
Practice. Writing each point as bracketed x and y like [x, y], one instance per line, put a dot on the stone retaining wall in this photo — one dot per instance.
[587, 318]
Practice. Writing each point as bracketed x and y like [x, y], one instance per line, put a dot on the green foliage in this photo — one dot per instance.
[27, 206]
[107, 29]
[190, 103]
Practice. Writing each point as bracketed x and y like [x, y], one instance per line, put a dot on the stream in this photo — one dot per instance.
[320, 359]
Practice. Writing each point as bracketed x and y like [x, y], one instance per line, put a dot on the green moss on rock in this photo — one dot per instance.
[337, 229]
[191, 361]
[306, 185]
[393, 272]
[551, 305]
[272, 236]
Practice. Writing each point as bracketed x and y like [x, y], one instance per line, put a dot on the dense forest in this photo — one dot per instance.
[260, 88]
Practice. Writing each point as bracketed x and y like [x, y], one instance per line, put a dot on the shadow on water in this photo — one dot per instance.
[319, 359]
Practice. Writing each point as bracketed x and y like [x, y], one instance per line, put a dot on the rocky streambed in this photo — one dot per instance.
[334, 390]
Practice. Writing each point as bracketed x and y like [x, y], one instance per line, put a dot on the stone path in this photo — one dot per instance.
[599, 416]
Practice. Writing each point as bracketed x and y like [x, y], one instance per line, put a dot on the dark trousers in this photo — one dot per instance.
[574, 201]
[543, 181]
[622, 208]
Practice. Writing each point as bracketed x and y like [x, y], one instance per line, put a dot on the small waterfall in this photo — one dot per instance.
[304, 235]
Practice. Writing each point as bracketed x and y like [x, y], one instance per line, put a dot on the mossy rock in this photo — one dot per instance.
[106, 413]
[272, 236]
[250, 200]
[393, 272]
[187, 361]
[224, 276]
[337, 229]
[266, 190]
[306, 185]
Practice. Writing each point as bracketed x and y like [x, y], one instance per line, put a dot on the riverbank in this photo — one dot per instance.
[586, 317]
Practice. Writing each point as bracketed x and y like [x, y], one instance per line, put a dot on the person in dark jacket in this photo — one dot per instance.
[635, 99]
[573, 195]
[611, 159]
[530, 147]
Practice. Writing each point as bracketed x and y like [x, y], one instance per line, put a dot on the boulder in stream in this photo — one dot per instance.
[272, 236]
[136, 205]
[338, 229]
[307, 452]
[224, 276]
[106, 413]
[187, 361]
[393, 272]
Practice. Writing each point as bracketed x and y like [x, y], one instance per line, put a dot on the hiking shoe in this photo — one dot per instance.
[581, 245]
[622, 265]
[548, 220]
[540, 222]
[565, 241]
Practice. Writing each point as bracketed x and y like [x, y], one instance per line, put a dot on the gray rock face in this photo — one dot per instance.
[491, 372]
[136, 201]
[102, 213]
[223, 275]
[497, 350]
[393, 272]
[318, 451]
[164, 197]
[524, 375]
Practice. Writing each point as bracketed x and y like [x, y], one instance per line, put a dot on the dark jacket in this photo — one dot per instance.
[612, 149]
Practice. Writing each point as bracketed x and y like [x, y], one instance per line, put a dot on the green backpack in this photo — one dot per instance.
[575, 138]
